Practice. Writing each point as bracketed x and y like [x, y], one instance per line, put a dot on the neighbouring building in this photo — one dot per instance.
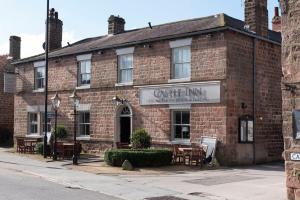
[214, 76]
[291, 95]
[7, 98]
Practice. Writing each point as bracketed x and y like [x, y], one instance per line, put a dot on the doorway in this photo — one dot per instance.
[125, 124]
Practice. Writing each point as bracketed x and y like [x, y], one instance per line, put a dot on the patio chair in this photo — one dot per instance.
[196, 156]
[177, 155]
[21, 145]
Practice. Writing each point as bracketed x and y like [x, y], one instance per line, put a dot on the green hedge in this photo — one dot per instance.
[39, 148]
[139, 158]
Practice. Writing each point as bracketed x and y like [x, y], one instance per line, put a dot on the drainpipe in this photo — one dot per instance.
[253, 100]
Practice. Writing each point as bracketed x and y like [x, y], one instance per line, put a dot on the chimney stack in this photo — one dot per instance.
[15, 47]
[55, 30]
[256, 16]
[116, 25]
[276, 21]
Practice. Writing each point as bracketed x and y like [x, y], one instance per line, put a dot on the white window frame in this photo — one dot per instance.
[86, 58]
[37, 66]
[120, 54]
[173, 124]
[42, 115]
[31, 123]
[177, 45]
[80, 135]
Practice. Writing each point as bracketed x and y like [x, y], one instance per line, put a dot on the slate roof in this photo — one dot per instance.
[143, 35]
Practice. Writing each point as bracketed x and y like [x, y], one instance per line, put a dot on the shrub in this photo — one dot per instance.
[39, 148]
[61, 131]
[140, 139]
[139, 158]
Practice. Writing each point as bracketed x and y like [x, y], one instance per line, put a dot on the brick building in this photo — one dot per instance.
[291, 95]
[214, 76]
[7, 98]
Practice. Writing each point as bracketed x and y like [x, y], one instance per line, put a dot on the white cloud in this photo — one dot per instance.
[31, 44]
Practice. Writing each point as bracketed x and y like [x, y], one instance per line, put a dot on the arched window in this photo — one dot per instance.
[125, 111]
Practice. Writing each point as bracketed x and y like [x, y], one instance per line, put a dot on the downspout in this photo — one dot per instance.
[253, 100]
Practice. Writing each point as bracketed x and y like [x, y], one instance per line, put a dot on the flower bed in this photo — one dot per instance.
[139, 158]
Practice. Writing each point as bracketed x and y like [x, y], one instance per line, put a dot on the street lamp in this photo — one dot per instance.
[55, 105]
[75, 101]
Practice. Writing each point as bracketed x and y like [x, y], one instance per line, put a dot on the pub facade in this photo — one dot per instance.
[211, 76]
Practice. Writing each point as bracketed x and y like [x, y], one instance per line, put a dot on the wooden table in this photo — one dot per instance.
[30, 145]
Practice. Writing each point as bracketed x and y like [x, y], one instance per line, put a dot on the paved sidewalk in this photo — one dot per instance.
[265, 182]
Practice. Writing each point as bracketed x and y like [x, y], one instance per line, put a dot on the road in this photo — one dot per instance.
[15, 185]
[25, 178]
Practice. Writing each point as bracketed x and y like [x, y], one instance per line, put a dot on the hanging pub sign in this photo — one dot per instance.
[185, 93]
[296, 124]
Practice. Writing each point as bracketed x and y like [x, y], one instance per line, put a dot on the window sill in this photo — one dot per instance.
[184, 142]
[38, 90]
[179, 80]
[82, 87]
[33, 136]
[123, 84]
[83, 138]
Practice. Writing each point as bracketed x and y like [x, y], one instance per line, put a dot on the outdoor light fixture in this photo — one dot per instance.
[75, 101]
[55, 100]
[118, 100]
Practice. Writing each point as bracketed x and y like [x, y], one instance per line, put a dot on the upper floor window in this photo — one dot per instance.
[39, 75]
[181, 58]
[181, 62]
[84, 69]
[84, 72]
[125, 65]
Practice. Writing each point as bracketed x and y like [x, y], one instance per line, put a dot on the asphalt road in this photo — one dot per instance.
[19, 186]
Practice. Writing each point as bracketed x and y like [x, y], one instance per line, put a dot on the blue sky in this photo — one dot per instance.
[88, 18]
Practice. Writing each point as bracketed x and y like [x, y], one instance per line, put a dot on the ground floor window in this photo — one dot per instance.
[84, 123]
[43, 123]
[181, 124]
[246, 129]
[33, 123]
[36, 124]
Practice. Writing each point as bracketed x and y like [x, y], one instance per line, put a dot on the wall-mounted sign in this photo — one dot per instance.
[295, 156]
[188, 93]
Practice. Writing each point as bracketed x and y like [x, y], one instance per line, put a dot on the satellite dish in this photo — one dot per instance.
[44, 46]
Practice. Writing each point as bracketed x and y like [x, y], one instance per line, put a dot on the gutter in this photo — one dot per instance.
[223, 28]
[254, 96]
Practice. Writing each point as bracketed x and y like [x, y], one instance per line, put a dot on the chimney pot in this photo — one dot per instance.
[276, 11]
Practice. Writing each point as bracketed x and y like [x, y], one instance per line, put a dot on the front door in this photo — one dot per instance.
[125, 129]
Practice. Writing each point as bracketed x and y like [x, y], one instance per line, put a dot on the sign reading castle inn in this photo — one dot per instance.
[185, 93]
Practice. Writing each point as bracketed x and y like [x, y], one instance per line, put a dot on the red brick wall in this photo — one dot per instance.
[218, 56]
[7, 102]
[268, 137]
[290, 100]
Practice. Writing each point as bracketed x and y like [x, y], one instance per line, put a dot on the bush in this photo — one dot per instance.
[39, 148]
[139, 158]
[140, 139]
[61, 131]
